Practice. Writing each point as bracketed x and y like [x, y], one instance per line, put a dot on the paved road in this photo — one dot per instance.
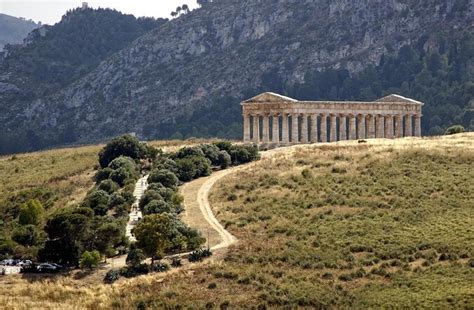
[135, 213]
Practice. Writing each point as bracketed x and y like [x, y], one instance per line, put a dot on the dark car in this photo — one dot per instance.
[48, 268]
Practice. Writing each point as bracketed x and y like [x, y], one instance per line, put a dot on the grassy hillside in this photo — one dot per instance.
[387, 223]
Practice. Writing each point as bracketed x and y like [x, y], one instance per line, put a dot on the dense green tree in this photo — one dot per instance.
[148, 196]
[157, 207]
[211, 152]
[224, 145]
[67, 231]
[192, 167]
[97, 200]
[107, 236]
[108, 186]
[160, 234]
[103, 174]
[31, 213]
[166, 163]
[122, 146]
[165, 177]
[153, 233]
[189, 151]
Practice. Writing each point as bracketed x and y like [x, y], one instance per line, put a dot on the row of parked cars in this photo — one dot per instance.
[27, 266]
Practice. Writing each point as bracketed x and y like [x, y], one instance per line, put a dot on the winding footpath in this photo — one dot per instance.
[203, 201]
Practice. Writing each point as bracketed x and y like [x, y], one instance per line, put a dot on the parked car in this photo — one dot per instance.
[48, 268]
[24, 263]
[8, 262]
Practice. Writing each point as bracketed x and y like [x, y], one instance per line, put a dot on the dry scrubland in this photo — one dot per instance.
[62, 175]
[387, 223]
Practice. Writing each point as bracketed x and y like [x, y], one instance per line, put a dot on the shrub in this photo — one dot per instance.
[103, 174]
[27, 235]
[98, 201]
[123, 162]
[193, 167]
[130, 272]
[212, 286]
[167, 164]
[111, 276]
[454, 130]
[211, 152]
[224, 159]
[345, 277]
[121, 176]
[89, 259]
[115, 200]
[157, 207]
[189, 151]
[31, 213]
[176, 262]
[122, 146]
[199, 255]
[159, 267]
[242, 154]
[306, 173]
[224, 145]
[135, 257]
[108, 186]
[149, 196]
[165, 177]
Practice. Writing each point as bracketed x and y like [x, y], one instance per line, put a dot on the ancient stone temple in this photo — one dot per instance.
[271, 119]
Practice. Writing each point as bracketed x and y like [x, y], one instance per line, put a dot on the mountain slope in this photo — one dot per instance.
[13, 30]
[186, 77]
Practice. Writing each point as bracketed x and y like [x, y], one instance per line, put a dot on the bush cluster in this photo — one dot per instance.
[199, 255]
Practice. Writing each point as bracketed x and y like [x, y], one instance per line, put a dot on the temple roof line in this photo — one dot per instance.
[269, 97]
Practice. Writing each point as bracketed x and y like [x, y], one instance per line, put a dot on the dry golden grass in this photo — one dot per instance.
[67, 172]
[284, 220]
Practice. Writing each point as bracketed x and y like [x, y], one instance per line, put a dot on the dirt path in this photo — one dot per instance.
[198, 213]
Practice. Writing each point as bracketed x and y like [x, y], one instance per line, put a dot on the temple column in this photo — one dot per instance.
[256, 129]
[304, 129]
[294, 128]
[342, 127]
[266, 129]
[314, 128]
[388, 127]
[417, 126]
[332, 126]
[275, 130]
[352, 127]
[284, 129]
[380, 126]
[398, 126]
[408, 126]
[324, 128]
[246, 128]
[371, 133]
[361, 125]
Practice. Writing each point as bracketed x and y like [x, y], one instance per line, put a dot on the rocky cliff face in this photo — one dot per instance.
[228, 50]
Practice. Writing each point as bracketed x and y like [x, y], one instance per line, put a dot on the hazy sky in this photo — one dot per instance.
[50, 11]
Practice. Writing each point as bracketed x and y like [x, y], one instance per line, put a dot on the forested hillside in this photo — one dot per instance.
[13, 30]
[187, 77]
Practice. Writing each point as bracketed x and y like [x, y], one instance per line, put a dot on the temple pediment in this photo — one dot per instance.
[397, 98]
[269, 97]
